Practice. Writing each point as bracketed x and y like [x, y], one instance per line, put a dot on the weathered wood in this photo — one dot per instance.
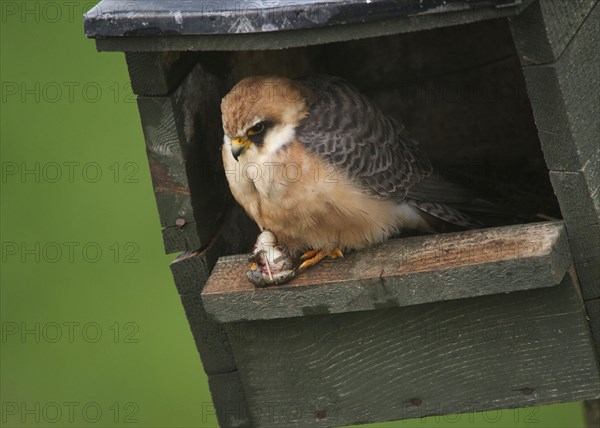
[183, 150]
[210, 337]
[190, 272]
[589, 276]
[229, 401]
[449, 16]
[110, 18]
[158, 73]
[579, 197]
[167, 169]
[592, 413]
[544, 29]
[492, 352]
[593, 311]
[579, 192]
[191, 269]
[564, 97]
[399, 272]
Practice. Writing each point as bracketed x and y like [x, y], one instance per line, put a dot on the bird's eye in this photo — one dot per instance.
[256, 129]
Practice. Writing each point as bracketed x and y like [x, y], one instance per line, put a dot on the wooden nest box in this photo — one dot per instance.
[503, 96]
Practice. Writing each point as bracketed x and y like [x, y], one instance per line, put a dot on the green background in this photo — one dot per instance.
[89, 330]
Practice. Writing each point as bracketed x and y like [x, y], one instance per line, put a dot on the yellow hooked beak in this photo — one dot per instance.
[238, 146]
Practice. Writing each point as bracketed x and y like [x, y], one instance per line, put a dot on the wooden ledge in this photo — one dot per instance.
[399, 272]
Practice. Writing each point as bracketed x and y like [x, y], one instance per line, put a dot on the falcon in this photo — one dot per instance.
[321, 167]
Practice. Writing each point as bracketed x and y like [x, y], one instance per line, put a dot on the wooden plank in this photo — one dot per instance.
[210, 337]
[492, 352]
[544, 29]
[578, 194]
[229, 400]
[158, 73]
[310, 36]
[592, 413]
[589, 276]
[399, 272]
[183, 151]
[190, 274]
[167, 169]
[138, 18]
[564, 97]
[593, 311]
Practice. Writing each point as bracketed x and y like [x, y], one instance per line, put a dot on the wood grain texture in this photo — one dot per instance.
[158, 73]
[228, 400]
[589, 276]
[399, 272]
[592, 413]
[167, 169]
[182, 144]
[544, 29]
[150, 18]
[308, 37]
[210, 337]
[190, 274]
[593, 311]
[564, 98]
[492, 352]
[578, 194]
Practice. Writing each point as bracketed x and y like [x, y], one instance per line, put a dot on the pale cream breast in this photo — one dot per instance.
[306, 203]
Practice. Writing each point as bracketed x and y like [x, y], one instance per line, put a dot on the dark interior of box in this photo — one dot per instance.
[459, 91]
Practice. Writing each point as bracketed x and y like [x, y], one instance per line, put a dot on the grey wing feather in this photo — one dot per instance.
[435, 188]
[352, 134]
[446, 212]
[347, 130]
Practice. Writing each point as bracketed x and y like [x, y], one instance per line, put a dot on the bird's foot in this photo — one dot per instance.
[271, 265]
[312, 257]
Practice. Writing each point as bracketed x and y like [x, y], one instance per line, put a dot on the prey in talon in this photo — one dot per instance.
[271, 264]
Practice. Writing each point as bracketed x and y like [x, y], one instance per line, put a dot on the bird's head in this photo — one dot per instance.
[260, 114]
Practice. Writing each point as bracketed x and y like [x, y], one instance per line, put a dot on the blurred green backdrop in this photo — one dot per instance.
[93, 332]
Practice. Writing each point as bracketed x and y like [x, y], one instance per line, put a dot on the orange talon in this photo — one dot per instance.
[308, 255]
[313, 257]
[320, 255]
[336, 253]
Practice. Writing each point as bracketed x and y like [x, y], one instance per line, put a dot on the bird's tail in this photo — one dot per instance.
[446, 213]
